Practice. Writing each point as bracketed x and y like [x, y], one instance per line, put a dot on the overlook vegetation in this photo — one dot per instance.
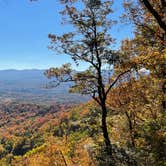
[124, 122]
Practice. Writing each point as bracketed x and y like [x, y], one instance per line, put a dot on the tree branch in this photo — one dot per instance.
[114, 82]
[95, 98]
[155, 14]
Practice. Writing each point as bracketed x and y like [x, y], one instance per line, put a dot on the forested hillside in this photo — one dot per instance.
[71, 135]
[123, 121]
[30, 86]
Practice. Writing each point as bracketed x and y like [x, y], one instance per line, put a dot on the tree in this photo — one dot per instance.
[150, 38]
[148, 48]
[91, 44]
[143, 14]
[157, 10]
[159, 13]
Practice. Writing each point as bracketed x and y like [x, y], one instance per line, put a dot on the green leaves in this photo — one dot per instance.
[60, 75]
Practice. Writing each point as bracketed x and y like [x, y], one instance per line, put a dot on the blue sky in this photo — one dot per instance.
[24, 29]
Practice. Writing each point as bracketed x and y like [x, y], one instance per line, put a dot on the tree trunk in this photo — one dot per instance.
[131, 130]
[154, 12]
[105, 130]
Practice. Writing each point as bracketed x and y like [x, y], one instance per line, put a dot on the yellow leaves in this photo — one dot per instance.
[59, 73]
[45, 155]
[1, 149]
[154, 61]
[70, 10]
[140, 142]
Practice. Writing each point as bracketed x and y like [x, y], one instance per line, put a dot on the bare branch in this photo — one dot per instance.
[114, 82]
[96, 99]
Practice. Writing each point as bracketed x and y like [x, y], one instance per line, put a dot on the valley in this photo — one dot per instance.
[29, 86]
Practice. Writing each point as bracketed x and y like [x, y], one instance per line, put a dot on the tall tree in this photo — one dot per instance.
[157, 9]
[148, 48]
[150, 37]
[147, 25]
[91, 44]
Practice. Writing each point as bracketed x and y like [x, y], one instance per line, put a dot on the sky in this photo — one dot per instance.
[24, 29]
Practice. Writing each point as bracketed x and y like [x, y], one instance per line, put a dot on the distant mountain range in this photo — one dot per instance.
[28, 86]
